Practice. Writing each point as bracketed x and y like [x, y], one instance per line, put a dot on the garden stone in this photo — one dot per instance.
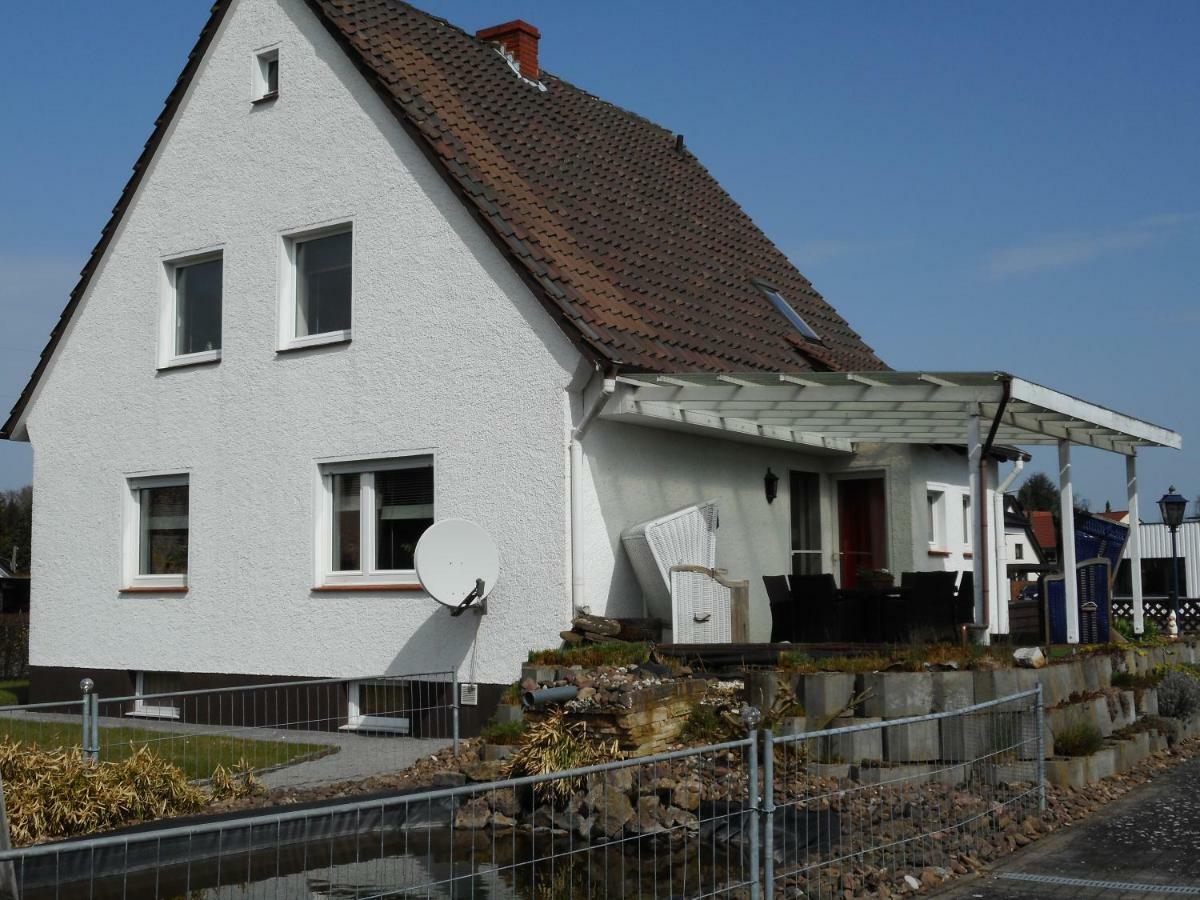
[825, 694]
[1147, 702]
[792, 725]
[1056, 684]
[611, 809]
[857, 746]
[1103, 667]
[1013, 773]
[952, 690]
[914, 742]
[762, 688]
[1100, 765]
[497, 751]
[507, 713]
[474, 814]
[965, 737]
[1029, 657]
[829, 770]
[539, 674]
[894, 695]
[990, 685]
[1068, 771]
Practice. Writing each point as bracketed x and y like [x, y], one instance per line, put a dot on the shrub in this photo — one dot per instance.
[57, 793]
[616, 653]
[235, 783]
[552, 745]
[508, 733]
[1178, 696]
[705, 725]
[1082, 739]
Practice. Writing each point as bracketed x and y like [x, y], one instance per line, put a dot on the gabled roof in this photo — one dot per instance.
[620, 231]
[1043, 528]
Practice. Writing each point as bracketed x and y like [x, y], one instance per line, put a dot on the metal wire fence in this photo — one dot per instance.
[679, 824]
[805, 815]
[261, 728]
[880, 800]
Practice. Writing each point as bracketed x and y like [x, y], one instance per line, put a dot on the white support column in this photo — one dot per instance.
[1135, 541]
[974, 453]
[1067, 550]
[1000, 588]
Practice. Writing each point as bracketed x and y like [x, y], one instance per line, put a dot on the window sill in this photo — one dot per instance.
[268, 97]
[204, 358]
[316, 340]
[153, 589]
[392, 588]
[938, 552]
[371, 723]
[152, 712]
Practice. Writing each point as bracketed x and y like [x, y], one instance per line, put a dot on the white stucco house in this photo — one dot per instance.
[372, 271]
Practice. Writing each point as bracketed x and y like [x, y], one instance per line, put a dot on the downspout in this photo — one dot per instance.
[1005, 395]
[607, 389]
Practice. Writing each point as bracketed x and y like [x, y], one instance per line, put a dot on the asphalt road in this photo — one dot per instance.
[1143, 847]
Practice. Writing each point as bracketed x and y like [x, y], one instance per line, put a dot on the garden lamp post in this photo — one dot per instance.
[1173, 506]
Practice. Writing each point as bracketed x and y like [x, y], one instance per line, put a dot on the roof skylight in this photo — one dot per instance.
[786, 310]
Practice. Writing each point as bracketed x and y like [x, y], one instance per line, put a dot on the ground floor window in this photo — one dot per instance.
[380, 706]
[150, 684]
[157, 532]
[374, 514]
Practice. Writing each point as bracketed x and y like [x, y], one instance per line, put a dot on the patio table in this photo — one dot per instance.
[873, 615]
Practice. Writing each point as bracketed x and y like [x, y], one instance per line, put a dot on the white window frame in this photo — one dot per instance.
[938, 539]
[169, 307]
[966, 522]
[132, 578]
[325, 574]
[288, 339]
[141, 709]
[356, 721]
[258, 74]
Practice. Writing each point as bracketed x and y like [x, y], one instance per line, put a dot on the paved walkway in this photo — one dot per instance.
[1144, 846]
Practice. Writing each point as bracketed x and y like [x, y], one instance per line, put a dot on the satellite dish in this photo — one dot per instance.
[457, 563]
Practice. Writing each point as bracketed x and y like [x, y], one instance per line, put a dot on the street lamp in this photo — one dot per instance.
[1173, 506]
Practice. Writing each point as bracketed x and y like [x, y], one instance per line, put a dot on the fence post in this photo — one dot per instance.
[768, 809]
[85, 734]
[753, 798]
[1041, 749]
[454, 715]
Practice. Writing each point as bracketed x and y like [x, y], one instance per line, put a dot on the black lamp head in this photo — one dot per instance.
[771, 485]
[1172, 506]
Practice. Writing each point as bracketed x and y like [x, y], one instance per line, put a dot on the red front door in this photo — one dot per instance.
[862, 527]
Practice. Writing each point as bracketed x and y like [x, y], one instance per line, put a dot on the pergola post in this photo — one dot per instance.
[1135, 541]
[974, 454]
[1067, 556]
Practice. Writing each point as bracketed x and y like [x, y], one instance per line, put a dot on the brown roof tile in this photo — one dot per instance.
[625, 237]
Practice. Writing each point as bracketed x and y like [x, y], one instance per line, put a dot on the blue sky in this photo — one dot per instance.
[976, 187]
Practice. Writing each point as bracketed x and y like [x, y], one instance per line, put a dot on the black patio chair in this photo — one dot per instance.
[816, 607]
[783, 608]
[964, 608]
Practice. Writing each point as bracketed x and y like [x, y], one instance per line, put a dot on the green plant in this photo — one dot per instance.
[507, 733]
[511, 695]
[705, 725]
[1178, 695]
[1081, 739]
[615, 653]
[555, 744]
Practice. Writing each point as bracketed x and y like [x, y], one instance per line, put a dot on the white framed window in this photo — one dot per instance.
[190, 332]
[156, 532]
[372, 515]
[151, 683]
[935, 517]
[1019, 551]
[317, 287]
[379, 706]
[966, 518]
[265, 75]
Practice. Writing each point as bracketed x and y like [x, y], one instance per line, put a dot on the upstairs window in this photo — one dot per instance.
[786, 310]
[266, 75]
[157, 531]
[192, 315]
[318, 291]
[375, 512]
[935, 518]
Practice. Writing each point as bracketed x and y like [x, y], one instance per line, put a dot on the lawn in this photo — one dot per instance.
[197, 754]
[14, 692]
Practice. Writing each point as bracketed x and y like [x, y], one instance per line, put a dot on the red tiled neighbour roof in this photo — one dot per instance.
[620, 231]
[1043, 528]
[1113, 515]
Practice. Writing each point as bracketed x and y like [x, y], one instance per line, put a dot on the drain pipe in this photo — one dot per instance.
[607, 388]
[985, 626]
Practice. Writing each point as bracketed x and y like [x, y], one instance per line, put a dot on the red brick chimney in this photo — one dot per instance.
[521, 40]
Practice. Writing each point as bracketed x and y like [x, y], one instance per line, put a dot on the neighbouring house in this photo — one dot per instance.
[14, 589]
[372, 271]
[1045, 533]
[1023, 549]
[1156, 559]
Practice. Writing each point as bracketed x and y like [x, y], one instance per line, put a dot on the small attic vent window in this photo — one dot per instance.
[786, 310]
[266, 75]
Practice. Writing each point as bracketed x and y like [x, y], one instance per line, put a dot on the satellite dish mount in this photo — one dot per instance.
[458, 564]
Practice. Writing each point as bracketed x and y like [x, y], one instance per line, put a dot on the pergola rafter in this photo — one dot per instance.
[829, 412]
